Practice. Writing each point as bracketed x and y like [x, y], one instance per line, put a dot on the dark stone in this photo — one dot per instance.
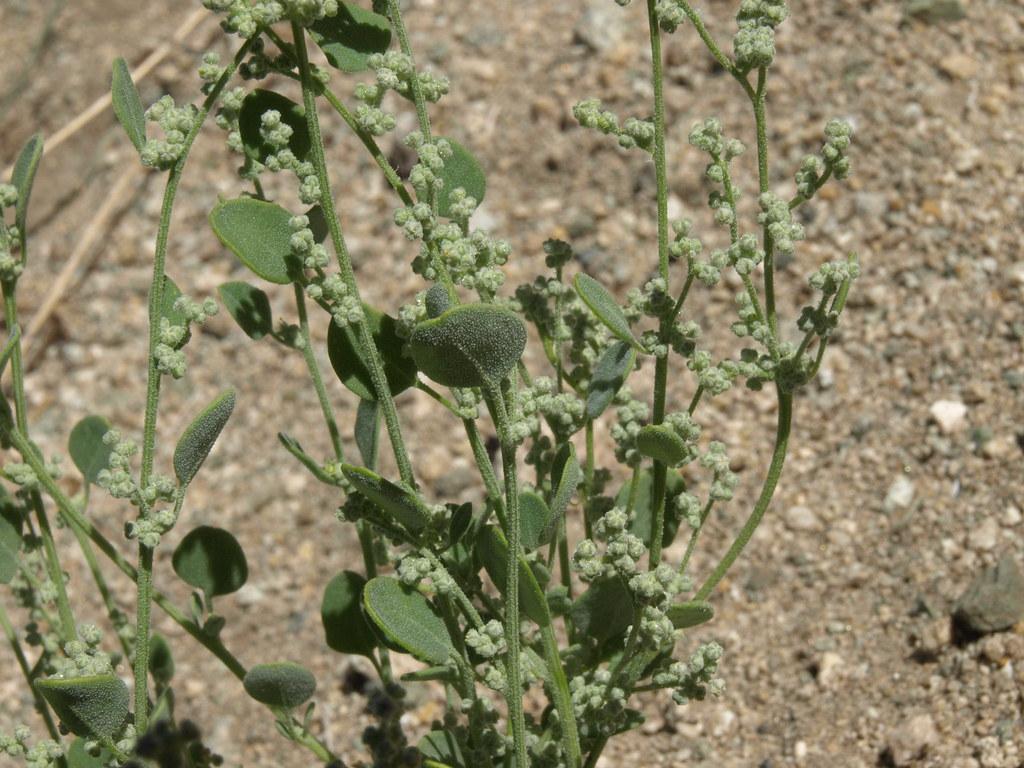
[994, 601]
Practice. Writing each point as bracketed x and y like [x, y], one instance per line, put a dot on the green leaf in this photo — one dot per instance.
[351, 36]
[462, 519]
[197, 441]
[250, 308]
[161, 660]
[349, 363]
[407, 619]
[23, 177]
[87, 449]
[171, 295]
[11, 521]
[95, 706]
[79, 757]
[661, 443]
[469, 345]
[604, 611]
[258, 233]
[460, 170]
[534, 516]
[441, 747]
[566, 476]
[211, 559]
[250, 120]
[605, 308]
[128, 105]
[643, 507]
[367, 431]
[492, 549]
[396, 499]
[610, 374]
[280, 684]
[692, 614]
[426, 674]
[341, 612]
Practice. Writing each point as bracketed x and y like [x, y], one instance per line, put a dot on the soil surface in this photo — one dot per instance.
[904, 479]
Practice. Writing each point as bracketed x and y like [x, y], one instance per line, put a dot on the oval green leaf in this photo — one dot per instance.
[341, 612]
[469, 345]
[610, 373]
[197, 441]
[23, 177]
[250, 308]
[367, 431]
[280, 684]
[351, 36]
[460, 170]
[211, 559]
[345, 352]
[566, 477]
[407, 619]
[258, 233]
[604, 611]
[605, 308]
[534, 516]
[79, 757]
[492, 549]
[87, 449]
[128, 105]
[397, 500]
[11, 523]
[161, 660]
[692, 614]
[93, 706]
[250, 120]
[661, 443]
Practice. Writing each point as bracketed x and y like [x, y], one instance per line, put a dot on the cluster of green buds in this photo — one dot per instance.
[84, 657]
[10, 267]
[24, 476]
[832, 161]
[276, 134]
[117, 479]
[175, 333]
[43, 754]
[693, 680]
[713, 379]
[600, 706]
[176, 123]
[633, 132]
[829, 279]
[622, 549]
[708, 137]
[754, 42]
[564, 412]
[488, 642]
[777, 219]
[631, 415]
[246, 17]
[670, 13]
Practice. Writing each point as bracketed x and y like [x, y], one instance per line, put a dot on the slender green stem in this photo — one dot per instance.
[369, 348]
[692, 545]
[561, 696]
[660, 169]
[17, 368]
[395, 12]
[314, 374]
[785, 420]
[763, 183]
[19, 654]
[101, 584]
[588, 480]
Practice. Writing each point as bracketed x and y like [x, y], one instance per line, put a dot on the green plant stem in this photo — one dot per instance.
[395, 13]
[760, 119]
[561, 696]
[692, 545]
[19, 654]
[369, 348]
[588, 479]
[785, 421]
[314, 374]
[101, 583]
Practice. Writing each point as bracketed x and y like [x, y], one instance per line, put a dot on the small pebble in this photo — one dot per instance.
[900, 495]
[911, 739]
[950, 415]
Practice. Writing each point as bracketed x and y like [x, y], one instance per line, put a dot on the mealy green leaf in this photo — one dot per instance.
[661, 443]
[604, 611]
[643, 512]
[128, 105]
[211, 559]
[407, 618]
[348, 38]
[441, 747]
[258, 233]
[341, 612]
[23, 177]
[462, 520]
[469, 345]
[692, 614]
[609, 375]
[161, 660]
[280, 684]
[11, 522]
[250, 121]
[442, 673]
[197, 441]
[460, 170]
[347, 358]
[318, 223]
[492, 549]
[566, 476]
[95, 706]
[79, 757]
[87, 449]
[397, 500]
[367, 431]
[170, 296]
[250, 308]
[605, 308]
[534, 516]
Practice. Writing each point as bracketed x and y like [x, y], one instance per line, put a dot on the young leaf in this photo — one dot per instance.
[171, 295]
[93, 706]
[441, 748]
[407, 619]
[349, 37]
[661, 443]
[605, 308]
[280, 684]
[250, 121]
[79, 757]
[604, 611]
[197, 441]
[211, 559]
[692, 614]
[258, 233]
[345, 352]
[469, 345]
[128, 105]
[161, 661]
[397, 500]
[460, 170]
[341, 612]
[10, 537]
[368, 431]
[250, 308]
[23, 177]
[492, 549]
[566, 476]
[534, 516]
[87, 449]
[610, 374]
